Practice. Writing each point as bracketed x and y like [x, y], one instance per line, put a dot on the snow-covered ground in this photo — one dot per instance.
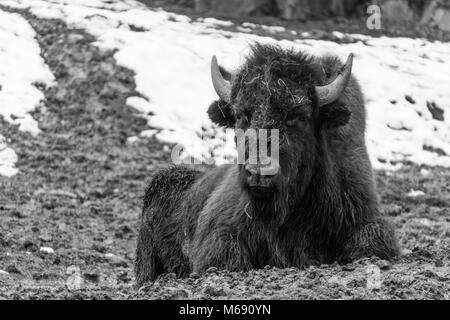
[21, 66]
[7, 159]
[170, 55]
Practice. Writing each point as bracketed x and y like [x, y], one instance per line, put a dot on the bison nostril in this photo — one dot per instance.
[252, 170]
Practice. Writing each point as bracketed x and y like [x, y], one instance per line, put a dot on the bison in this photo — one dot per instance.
[319, 207]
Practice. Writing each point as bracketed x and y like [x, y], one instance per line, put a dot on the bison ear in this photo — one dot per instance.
[221, 114]
[334, 115]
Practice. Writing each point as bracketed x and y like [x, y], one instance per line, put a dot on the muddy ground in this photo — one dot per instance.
[81, 183]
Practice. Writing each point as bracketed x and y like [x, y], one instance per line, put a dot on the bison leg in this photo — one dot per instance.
[220, 251]
[159, 252]
[375, 238]
[161, 235]
[147, 264]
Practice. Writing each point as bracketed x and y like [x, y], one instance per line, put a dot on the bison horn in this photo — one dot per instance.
[222, 86]
[331, 92]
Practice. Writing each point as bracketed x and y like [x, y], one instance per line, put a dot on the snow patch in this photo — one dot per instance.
[132, 139]
[46, 250]
[424, 172]
[216, 22]
[21, 67]
[273, 29]
[7, 159]
[415, 193]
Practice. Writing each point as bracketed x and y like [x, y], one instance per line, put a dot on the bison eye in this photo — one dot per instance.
[296, 117]
[292, 122]
[241, 119]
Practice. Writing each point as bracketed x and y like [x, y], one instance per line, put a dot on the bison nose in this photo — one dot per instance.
[252, 169]
[259, 175]
[269, 168]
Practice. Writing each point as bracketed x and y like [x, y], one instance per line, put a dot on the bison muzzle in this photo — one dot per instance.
[320, 204]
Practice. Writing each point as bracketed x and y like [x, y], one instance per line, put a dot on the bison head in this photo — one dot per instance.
[284, 92]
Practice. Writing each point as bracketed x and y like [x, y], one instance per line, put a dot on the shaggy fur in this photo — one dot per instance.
[323, 207]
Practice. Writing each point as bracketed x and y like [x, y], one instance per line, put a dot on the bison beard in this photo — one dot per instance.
[323, 205]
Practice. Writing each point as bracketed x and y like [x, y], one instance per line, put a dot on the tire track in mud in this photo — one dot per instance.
[80, 184]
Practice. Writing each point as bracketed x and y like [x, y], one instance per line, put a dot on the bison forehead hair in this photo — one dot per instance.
[276, 78]
[275, 83]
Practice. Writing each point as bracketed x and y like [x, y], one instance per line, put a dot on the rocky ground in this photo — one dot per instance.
[68, 220]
